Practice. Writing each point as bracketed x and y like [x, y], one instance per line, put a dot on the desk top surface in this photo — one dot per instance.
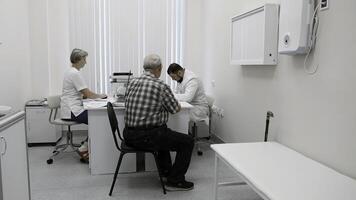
[99, 104]
[280, 173]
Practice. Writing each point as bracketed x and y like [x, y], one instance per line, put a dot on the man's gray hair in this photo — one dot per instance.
[77, 55]
[152, 61]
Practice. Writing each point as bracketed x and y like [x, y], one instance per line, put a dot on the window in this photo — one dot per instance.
[118, 34]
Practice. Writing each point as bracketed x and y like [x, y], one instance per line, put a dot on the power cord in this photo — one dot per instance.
[313, 37]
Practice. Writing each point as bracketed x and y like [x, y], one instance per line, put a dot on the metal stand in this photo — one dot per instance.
[269, 115]
[63, 147]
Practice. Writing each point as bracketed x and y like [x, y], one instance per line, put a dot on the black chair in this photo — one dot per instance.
[124, 149]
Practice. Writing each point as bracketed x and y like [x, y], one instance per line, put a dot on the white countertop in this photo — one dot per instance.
[11, 118]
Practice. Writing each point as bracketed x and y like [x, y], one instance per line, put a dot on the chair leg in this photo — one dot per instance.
[155, 155]
[70, 139]
[196, 139]
[116, 172]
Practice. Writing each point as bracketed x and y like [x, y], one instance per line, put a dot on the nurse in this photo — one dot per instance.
[74, 91]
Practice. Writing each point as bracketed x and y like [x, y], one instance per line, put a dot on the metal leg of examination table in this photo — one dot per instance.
[215, 190]
[216, 178]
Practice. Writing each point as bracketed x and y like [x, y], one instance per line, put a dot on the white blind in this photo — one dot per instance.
[118, 34]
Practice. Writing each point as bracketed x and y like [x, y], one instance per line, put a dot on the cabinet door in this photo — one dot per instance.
[14, 163]
[39, 130]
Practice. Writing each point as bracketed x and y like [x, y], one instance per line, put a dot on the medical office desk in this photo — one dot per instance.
[102, 150]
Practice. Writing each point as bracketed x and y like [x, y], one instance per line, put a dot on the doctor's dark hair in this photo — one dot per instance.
[77, 55]
[174, 68]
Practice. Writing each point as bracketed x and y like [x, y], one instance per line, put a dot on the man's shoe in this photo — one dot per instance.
[179, 186]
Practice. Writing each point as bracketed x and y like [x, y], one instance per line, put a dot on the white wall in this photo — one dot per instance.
[49, 39]
[59, 51]
[193, 36]
[15, 76]
[315, 114]
[34, 50]
[39, 48]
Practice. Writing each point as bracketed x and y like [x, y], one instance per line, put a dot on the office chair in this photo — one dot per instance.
[199, 140]
[124, 149]
[54, 104]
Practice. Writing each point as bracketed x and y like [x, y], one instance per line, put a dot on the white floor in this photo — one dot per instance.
[68, 179]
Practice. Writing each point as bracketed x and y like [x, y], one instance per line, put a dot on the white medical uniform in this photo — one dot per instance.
[192, 91]
[71, 99]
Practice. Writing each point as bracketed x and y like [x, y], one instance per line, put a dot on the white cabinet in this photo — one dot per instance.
[254, 36]
[13, 155]
[38, 129]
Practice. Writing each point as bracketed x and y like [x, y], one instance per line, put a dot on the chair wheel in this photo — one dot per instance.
[50, 161]
[200, 153]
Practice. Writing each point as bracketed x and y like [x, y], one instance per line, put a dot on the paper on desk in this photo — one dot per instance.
[94, 103]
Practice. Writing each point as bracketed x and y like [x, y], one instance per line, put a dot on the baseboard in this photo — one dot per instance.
[41, 144]
[216, 139]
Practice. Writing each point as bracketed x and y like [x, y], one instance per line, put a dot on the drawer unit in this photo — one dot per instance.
[38, 129]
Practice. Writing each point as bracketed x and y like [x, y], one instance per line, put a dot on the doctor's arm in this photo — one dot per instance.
[190, 90]
[91, 95]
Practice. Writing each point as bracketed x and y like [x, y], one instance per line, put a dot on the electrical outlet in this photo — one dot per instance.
[324, 4]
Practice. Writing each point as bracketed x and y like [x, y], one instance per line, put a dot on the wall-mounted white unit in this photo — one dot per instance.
[254, 36]
[295, 26]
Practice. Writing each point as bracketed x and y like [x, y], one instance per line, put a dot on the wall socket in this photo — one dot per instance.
[324, 4]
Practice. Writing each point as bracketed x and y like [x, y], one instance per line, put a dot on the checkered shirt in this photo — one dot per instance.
[148, 102]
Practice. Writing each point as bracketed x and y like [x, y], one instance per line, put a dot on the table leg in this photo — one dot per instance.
[215, 190]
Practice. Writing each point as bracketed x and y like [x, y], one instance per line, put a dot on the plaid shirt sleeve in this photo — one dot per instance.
[170, 103]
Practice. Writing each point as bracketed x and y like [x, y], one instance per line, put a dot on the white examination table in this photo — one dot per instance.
[276, 172]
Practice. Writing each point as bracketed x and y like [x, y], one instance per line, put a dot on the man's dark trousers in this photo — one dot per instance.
[163, 140]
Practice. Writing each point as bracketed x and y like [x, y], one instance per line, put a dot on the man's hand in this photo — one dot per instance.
[180, 107]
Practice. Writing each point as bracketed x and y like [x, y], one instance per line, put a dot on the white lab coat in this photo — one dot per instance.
[191, 90]
[71, 99]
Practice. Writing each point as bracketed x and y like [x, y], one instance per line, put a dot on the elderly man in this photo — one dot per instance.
[191, 90]
[148, 103]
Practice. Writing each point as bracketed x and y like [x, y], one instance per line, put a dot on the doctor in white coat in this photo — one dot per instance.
[189, 89]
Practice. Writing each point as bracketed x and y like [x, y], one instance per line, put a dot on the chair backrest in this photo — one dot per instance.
[114, 124]
[54, 101]
[210, 100]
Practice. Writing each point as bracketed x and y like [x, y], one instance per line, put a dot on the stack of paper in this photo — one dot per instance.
[94, 103]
